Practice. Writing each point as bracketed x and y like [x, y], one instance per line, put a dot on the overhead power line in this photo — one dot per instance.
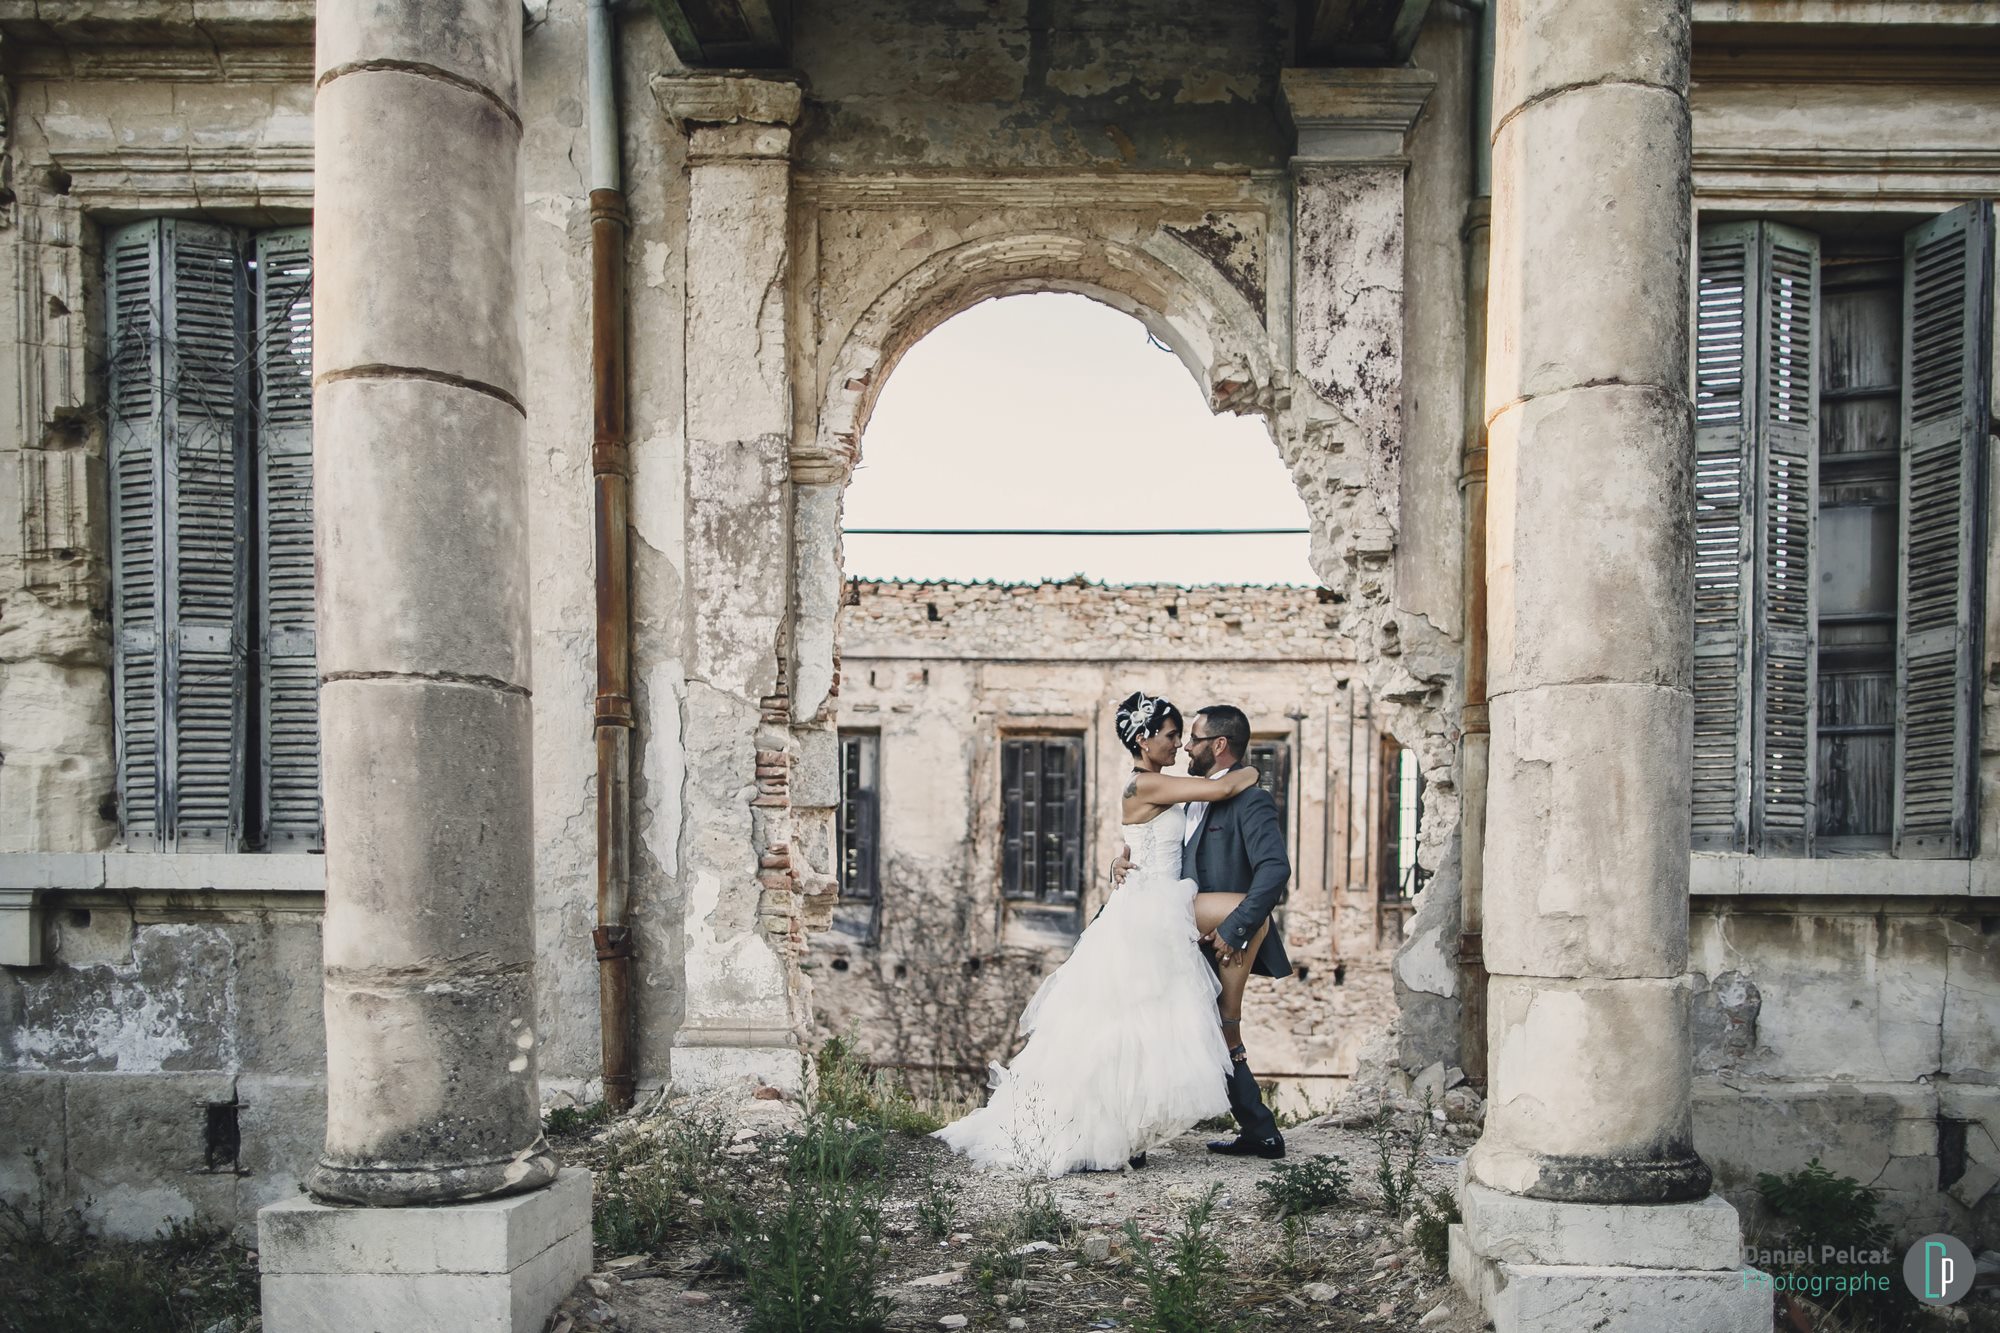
[1078, 532]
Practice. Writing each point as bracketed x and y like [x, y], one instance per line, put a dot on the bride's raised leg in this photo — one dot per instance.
[1210, 911]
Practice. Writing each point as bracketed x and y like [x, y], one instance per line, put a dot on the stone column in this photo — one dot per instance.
[741, 900]
[421, 515]
[1585, 1204]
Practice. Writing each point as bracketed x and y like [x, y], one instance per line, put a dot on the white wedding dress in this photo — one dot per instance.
[1125, 1048]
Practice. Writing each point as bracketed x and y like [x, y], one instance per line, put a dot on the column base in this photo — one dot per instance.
[707, 1066]
[1535, 1266]
[495, 1266]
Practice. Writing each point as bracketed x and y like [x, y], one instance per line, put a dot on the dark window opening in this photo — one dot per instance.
[1041, 786]
[222, 1137]
[859, 815]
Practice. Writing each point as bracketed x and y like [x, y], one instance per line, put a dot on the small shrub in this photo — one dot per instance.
[996, 1267]
[1294, 1263]
[1398, 1180]
[1216, 1124]
[651, 1190]
[1184, 1286]
[1436, 1212]
[813, 1265]
[1294, 1189]
[1039, 1217]
[1814, 1208]
[576, 1121]
[937, 1206]
[828, 1149]
[61, 1279]
[845, 1086]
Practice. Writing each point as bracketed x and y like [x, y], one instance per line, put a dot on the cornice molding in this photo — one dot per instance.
[727, 99]
[1128, 190]
[118, 176]
[1348, 116]
[1843, 179]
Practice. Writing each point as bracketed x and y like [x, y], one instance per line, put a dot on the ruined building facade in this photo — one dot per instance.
[980, 773]
[1634, 362]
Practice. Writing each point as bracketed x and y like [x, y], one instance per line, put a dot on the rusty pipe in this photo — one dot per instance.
[1475, 729]
[612, 719]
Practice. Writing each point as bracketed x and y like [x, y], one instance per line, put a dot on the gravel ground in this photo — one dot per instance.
[1353, 1269]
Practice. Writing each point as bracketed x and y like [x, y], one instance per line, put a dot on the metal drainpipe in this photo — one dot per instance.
[1476, 738]
[611, 490]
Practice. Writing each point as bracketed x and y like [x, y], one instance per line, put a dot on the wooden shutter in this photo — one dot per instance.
[1013, 820]
[1726, 299]
[1065, 816]
[207, 530]
[1786, 507]
[135, 305]
[1947, 358]
[289, 681]
[177, 385]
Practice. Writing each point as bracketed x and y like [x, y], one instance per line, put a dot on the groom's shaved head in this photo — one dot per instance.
[1229, 722]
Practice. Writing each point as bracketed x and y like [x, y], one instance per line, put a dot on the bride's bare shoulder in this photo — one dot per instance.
[1136, 810]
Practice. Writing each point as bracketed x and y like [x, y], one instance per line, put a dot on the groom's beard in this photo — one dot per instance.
[1199, 764]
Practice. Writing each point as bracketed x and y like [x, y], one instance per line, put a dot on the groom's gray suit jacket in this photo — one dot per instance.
[1240, 848]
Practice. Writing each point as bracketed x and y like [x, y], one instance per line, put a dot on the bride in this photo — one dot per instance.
[1125, 1047]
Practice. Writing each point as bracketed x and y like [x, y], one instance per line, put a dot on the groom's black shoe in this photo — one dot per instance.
[1243, 1145]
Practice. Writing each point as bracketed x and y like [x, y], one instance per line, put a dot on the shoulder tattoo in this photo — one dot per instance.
[1132, 787]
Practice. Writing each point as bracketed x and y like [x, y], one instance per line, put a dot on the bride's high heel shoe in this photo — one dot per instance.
[1232, 1032]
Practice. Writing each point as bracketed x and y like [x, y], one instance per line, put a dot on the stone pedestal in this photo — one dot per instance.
[1534, 1265]
[498, 1266]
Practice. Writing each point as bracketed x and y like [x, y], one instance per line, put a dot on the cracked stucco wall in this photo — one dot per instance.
[1862, 1034]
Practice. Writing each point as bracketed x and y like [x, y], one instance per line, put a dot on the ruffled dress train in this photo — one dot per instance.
[1125, 1047]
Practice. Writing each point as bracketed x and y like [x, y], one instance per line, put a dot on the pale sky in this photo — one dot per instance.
[1053, 411]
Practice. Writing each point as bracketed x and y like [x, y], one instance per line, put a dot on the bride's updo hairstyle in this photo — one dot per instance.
[1142, 716]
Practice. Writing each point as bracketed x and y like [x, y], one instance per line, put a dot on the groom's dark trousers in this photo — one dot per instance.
[1240, 848]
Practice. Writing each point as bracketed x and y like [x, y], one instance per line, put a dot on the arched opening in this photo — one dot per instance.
[978, 770]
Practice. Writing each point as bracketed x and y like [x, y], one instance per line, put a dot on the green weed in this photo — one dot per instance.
[844, 1085]
[1435, 1213]
[937, 1206]
[1398, 1179]
[576, 1121]
[62, 1279]
[652, 1189]
[1185, 1285]
[1294, 1189]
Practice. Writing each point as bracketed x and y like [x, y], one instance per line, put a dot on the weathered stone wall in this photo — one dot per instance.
[1862, 1033]
[942, 672]
[166, 1064]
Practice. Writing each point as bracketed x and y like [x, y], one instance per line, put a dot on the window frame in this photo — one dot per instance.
[258, 640]
[1977, 329]
[1072, 835]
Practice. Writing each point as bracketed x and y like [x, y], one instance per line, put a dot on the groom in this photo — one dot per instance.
[1236, 846]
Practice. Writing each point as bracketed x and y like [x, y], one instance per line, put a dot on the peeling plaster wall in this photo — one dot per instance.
[968, 85]
[150, 1012]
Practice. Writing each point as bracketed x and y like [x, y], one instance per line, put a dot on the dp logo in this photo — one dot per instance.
[1939, 1269]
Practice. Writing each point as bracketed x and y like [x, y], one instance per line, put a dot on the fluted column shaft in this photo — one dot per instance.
[1589, 436]
[423, 624]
